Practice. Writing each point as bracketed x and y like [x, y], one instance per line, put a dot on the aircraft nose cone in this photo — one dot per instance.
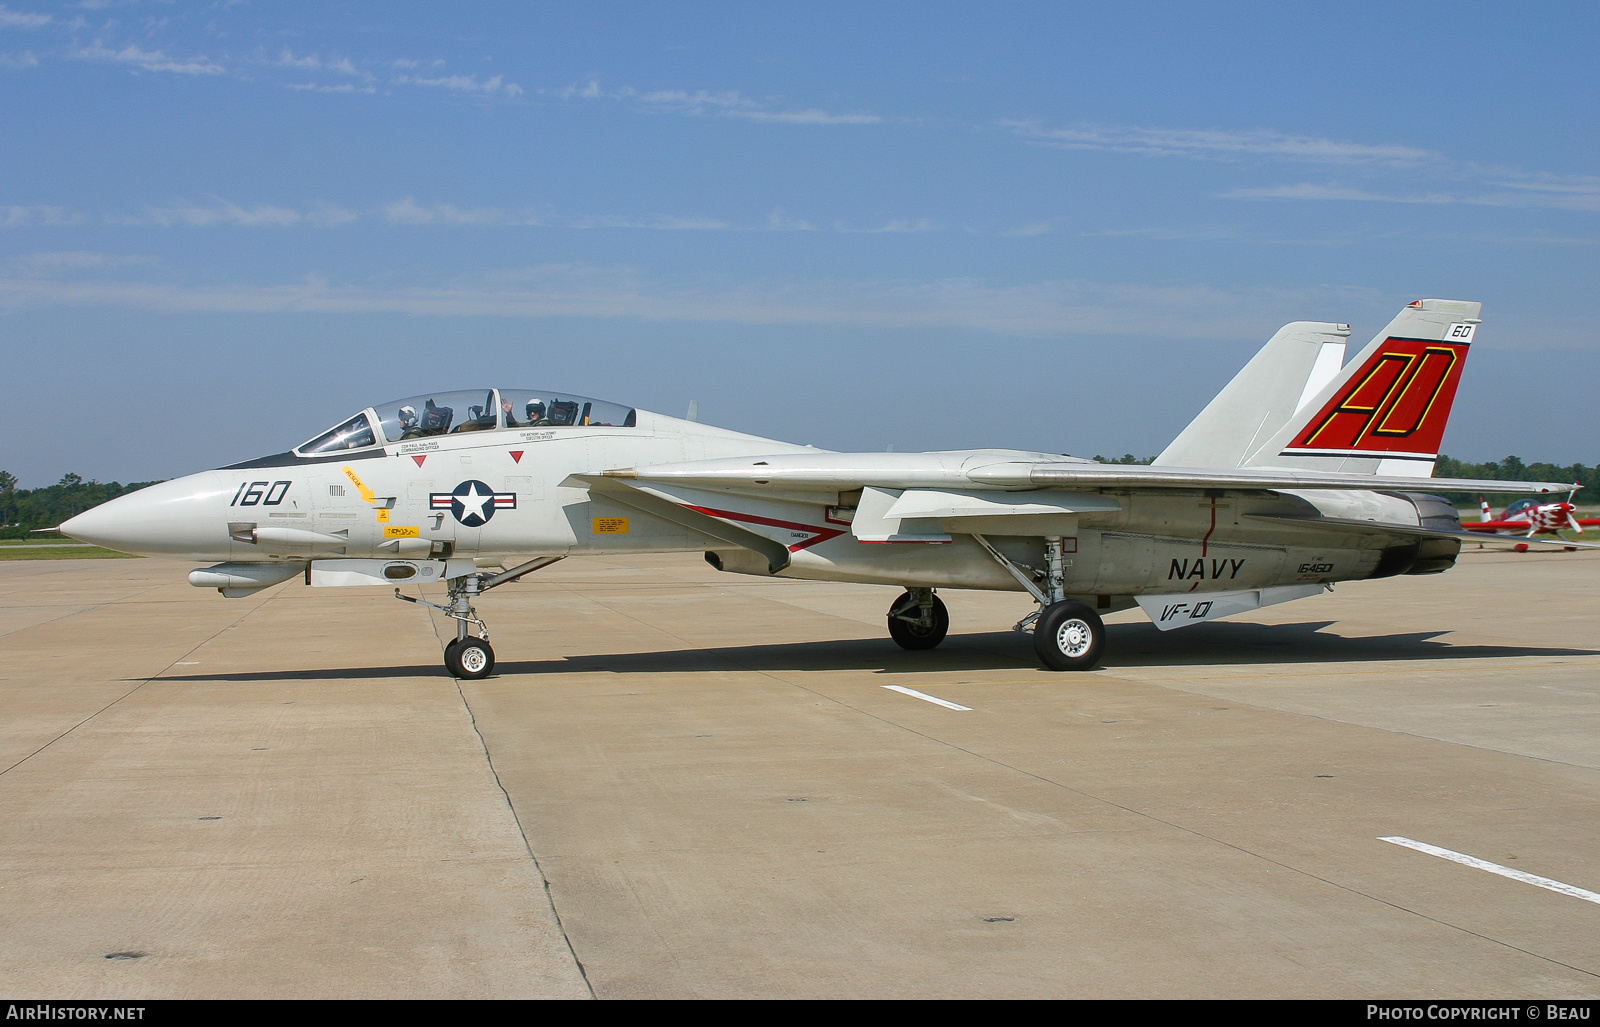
[98, 526]
[183, 517]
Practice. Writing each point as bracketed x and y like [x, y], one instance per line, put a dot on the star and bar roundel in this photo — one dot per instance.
[472, 502]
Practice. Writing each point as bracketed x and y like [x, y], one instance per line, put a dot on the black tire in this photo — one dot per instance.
[1069, 636]
[908, 634]
[469, 658]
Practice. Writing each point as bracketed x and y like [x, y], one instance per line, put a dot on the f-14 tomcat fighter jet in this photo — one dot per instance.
[1302, 472]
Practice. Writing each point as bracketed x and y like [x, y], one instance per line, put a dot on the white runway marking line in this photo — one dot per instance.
[903, 690]
[1495, 868]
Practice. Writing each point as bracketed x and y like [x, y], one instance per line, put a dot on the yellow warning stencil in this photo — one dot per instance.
[610, 525]
[383, 515]
[400, 531]
[360, 485]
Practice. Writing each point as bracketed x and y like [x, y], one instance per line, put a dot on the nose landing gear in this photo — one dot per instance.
[467, 656]
[918, 619]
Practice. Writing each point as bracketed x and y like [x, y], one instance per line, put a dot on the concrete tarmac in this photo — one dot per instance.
[681, 783]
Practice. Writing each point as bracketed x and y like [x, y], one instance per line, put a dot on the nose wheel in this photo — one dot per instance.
[469, 658]
[466, 656]
[918, 619]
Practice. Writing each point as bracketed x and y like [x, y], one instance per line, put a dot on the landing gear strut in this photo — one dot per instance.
[1067, 634]
[918, 619]
[468, 656]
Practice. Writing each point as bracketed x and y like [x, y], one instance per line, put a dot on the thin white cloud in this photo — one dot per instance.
[1575, 194]
[224, 212]
[1216, 144]
[149, 60]
[215, 211]
[314, 62]
[1035, 228]
[1049, 308]
[778, 221]
[1162, 233]
[902, 225]
[76, 260]
[661, 223]
[464, 84]
[25, 59]
[702, 103]
[809, 116]
[409, 212]
[1453, 181]
[342, 87]
[10, 19]
[19, 217]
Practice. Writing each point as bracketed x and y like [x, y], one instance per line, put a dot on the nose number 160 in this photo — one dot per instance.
[252, 492]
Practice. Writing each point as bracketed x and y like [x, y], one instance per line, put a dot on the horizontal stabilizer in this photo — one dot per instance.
[1381, 528]
[1135, 476]
[825, 473]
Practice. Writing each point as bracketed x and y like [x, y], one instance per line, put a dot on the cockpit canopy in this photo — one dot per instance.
[449, 413]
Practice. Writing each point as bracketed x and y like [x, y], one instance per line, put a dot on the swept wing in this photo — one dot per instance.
[824, 472]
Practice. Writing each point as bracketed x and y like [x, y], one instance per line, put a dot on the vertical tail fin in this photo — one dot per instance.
[1386, 412]
[1293, 366]
[1484, 513]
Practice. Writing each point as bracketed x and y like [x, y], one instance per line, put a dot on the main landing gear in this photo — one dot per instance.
[469, 656]
[1067, 634]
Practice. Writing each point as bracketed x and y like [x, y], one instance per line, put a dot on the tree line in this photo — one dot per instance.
[22, 510]
[1513, 469]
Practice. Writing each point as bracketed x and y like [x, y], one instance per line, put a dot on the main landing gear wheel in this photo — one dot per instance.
[469, 658]
[1069, 635]
[915, 625]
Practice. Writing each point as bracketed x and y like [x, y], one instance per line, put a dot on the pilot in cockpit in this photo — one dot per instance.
[536, 414]
[410, 426]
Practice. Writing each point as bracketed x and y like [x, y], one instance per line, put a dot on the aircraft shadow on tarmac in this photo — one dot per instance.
[1131, 645]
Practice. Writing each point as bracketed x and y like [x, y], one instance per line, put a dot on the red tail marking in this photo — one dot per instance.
[1398, 402]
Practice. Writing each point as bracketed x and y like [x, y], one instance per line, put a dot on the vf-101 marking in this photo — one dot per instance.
[1302, 472]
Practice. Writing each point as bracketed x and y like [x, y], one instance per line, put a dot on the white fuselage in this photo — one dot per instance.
[505, 493]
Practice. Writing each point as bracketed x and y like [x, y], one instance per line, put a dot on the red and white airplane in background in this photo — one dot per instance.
[1529, 517]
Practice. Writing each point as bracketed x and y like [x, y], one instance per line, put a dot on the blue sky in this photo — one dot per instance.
[1062, 227]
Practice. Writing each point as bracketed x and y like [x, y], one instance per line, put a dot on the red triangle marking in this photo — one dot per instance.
[516, 456]
[419, 460]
